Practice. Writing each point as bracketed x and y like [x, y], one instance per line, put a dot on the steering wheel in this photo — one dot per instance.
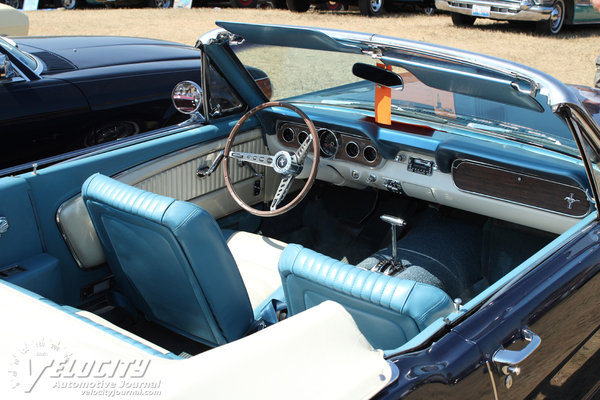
[285, 163]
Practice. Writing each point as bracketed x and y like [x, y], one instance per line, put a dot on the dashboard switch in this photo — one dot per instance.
[393, 185]
[371, 178]
[355, 174]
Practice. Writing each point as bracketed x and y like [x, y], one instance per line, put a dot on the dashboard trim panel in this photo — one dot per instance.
[516, 187]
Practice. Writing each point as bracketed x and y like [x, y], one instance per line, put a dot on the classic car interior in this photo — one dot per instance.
[192, 243]
[461, 222]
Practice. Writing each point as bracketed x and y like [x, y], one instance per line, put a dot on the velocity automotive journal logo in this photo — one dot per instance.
[45, 366]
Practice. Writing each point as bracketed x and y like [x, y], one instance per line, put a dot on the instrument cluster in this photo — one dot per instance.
[332, 144]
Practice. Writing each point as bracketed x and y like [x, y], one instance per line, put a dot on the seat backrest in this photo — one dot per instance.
[169, 257]
[389, 311]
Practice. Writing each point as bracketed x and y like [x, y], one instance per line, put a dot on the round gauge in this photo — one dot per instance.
[302, 137]
[287, 134]
[328, 142]
[352, 149]
[370, 154]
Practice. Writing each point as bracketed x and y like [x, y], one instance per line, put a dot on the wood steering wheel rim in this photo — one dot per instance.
[313, 172]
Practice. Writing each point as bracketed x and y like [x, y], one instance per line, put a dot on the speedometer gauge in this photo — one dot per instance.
[328, 143]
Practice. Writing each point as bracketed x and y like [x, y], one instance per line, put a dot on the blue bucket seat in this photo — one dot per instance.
[172, 261]
[389, 311]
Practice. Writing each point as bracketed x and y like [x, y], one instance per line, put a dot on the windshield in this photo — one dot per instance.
[325, 77]
[25, 58]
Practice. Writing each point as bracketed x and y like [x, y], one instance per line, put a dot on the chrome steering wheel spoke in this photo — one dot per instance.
[260, 159]
[282, 190]
[302, 151]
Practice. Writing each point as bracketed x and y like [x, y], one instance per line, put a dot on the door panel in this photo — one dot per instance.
[23, 258]
[173, 175]
[21, 238]
[32, 200]
[451, 368]
[554, 296]
[558, 301]
[576, 378]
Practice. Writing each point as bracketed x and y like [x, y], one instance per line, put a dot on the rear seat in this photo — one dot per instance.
[69, 353]
[101, 324]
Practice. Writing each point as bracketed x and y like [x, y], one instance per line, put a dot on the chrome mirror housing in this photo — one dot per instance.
[187, 98]
[5, 69]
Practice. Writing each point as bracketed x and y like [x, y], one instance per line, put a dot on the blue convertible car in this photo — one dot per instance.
[420, 224]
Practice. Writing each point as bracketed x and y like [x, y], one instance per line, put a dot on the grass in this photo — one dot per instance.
[570, 56]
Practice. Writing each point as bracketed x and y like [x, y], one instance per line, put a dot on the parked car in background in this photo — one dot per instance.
[72, 4]
[64, 93]
[400, 220]
[549, 15]
[370, 8]
[12, 21]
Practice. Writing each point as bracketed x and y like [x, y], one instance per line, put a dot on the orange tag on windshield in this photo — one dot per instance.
[383, 101]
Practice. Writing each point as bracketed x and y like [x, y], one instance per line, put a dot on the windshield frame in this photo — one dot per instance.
[10, 48]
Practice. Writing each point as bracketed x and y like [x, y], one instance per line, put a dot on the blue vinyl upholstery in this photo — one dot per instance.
[388, 311]
[169, 257]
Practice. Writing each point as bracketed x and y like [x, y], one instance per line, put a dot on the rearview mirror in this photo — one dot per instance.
[377, 75]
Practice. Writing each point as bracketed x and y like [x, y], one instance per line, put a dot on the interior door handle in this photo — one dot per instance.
[508, 360]
[204, 171]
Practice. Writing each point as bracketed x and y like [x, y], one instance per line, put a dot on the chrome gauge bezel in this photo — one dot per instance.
[288, 130]
[302, 135]
[374, 152]
[352, 143]
[325, 133]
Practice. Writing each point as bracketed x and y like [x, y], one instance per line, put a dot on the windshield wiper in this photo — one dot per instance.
[417, 113]
[404, 111]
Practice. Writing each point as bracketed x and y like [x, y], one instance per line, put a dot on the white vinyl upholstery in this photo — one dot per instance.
[317, 354]
[257, 258]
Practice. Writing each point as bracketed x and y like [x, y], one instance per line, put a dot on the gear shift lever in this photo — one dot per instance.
[389, 267]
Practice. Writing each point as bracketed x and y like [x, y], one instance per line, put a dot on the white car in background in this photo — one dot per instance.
[12, 21]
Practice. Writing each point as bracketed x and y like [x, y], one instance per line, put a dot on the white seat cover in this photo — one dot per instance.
[257, 258]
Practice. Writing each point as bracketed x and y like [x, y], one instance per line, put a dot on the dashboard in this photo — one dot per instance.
[516, 185]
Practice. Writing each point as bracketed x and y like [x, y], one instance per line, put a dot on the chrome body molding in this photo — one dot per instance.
[3, 225]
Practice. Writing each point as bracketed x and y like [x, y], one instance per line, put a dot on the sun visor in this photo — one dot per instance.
[469, 79]
[288, 36]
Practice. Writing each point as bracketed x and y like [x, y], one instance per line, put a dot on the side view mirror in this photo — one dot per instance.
[377, 75]
[5, 67]
[187, 98]
[262, 80]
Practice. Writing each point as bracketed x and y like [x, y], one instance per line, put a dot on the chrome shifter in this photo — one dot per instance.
[390, 267]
